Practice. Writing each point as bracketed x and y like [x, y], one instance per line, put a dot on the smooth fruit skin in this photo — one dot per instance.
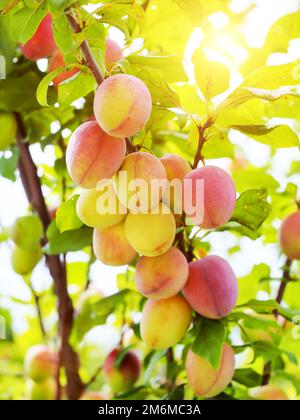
[140, 166]
[289, 236]
[41, 390]
[90, 212]
[113, 53]
[269, 392]
[8, 126]
[124, 377]
[176, 168]
[42, 44]
[212, 287]
[111, 246]
[92, 155]
[162, 277]
[122, 105]
[165, 322]
[24, 260]
[57, 61]
[219, 196]
[27, 231]
[151, 234]
[205, 380]
[40, 363]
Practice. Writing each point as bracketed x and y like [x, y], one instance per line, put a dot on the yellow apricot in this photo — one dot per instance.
[151, 234]
[100, 209]
[165, 322]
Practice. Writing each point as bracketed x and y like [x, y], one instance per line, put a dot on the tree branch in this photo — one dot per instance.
[286, 278]
[32, 185]
[202, 139]
[86, 51]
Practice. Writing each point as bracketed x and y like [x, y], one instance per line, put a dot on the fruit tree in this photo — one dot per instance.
[150, 222]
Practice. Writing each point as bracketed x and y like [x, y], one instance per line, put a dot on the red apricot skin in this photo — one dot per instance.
[56, 61]
[211, 288]
[113, 52]
[42, 44]
[289, 236]
[162, 277]
[111, 246]
[122, 105]
[270, 393]
[92, 155]
[219, 195]
[128, 373]
[206, 381]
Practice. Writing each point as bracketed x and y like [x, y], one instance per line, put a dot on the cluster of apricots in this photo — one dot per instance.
[97, 151]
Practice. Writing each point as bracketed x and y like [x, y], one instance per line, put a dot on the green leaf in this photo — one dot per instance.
[9, 163]
[209, 341]
[253, 178]
[24, 22]
[252, 209]
[176, 394]
[106, 306]
[262, 79]
[66, 216]
[63, 34]
[251, 284]
[69, 241]
[212, 77]
[279, 136]
[162, 94]
[247, 377]
[18, 93]
[171, 66]
[79, 86]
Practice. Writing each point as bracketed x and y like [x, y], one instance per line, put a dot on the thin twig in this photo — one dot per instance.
[38, 308]
[286, 278]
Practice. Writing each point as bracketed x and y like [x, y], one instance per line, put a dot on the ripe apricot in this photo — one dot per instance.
[111, 246]
[113, 53]
[122, 105]
[124, 377]
[165, 322]
[100, 209]
[92, 155]
[176, 168]
[219, 196]
[138, 184]
[163, 276]
[211, 288]
[290, 236]
[151, 234]
[205, 380]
